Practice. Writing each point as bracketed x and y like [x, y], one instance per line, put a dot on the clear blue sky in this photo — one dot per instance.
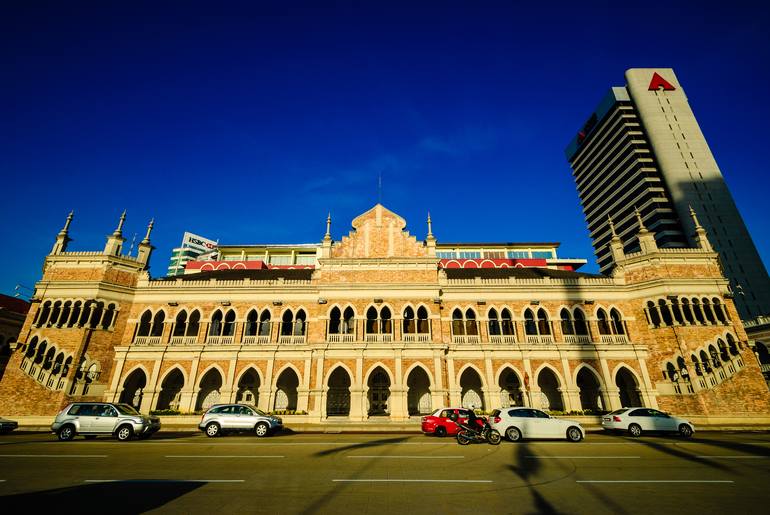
[247, 121]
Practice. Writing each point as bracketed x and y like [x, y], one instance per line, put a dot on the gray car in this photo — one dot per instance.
[224, 418]
[6, 426]
[92, 419]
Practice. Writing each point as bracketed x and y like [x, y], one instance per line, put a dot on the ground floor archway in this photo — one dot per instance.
[338, 394]
[133, 388]
[471, 393]
[628, 388]
[379, 393]
[418, 394]
[510, 389]
[550, 396]
[170, 391]
[286, 390]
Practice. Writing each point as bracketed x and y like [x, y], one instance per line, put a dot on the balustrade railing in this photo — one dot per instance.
[292, 339]
[147, 340]
[378, 338]
[466, 338]
[341, 338]
[220, 340]
[258, 339]
[416, 337]
[502, 338]
[183, 340]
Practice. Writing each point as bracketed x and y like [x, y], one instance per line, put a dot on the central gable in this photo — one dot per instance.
[379, 233]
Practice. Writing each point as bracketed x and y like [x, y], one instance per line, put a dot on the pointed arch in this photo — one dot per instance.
[133, 386]
[171, 386]
[287, 382]
[210, 385]
[248, 384]
[550, 383]
[418, 382]
[509, 380]
[589, 384]
[338, 381]
[471, 383]
[628, 385]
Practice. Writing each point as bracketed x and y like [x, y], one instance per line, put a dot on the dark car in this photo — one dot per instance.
[6, 426]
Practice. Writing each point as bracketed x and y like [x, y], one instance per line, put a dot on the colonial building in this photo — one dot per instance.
[381, 324]
[13, 311]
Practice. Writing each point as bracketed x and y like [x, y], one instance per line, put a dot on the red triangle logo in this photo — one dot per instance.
[658, 81]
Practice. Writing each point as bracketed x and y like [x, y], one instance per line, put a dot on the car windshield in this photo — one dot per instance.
[619, 411]
[126, 409]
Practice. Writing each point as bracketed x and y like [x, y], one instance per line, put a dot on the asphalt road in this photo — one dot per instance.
[395, 473]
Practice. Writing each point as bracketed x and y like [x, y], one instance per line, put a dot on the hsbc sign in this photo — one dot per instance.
[198, 241]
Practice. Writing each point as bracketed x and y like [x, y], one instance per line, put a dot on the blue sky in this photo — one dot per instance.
[248, 121]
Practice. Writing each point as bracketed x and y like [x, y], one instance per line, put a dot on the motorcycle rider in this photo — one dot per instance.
[472, 421]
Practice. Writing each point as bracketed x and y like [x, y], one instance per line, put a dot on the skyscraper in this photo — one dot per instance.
[642, 149]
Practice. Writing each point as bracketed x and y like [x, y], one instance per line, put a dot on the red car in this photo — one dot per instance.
[439, 423]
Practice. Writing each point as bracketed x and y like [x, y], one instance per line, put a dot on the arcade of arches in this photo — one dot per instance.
[381, 393]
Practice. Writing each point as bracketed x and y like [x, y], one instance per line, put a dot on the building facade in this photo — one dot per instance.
[643, 149]
[380, 325]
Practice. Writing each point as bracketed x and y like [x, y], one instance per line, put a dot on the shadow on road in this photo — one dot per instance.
[134, 496]
[360, 445]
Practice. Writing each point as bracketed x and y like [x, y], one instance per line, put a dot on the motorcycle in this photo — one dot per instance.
[467, 434]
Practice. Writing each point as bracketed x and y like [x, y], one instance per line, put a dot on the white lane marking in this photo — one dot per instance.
[217, 456]
[733, 457]
[411, 457]
[412, 481]
[583, 457]
[654, 481]
[164, 480]
[53, 455]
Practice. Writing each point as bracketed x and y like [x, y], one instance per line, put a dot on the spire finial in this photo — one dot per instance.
[328, 234]
[146, 239]
[694, 218]
[66, 227]
[119, 230]
[612, 226]
[430, 226]
[642, 228]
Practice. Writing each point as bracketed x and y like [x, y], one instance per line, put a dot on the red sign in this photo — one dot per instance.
[658, 81]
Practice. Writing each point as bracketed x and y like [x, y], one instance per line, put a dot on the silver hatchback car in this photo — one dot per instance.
[92, 419]
[224, 418]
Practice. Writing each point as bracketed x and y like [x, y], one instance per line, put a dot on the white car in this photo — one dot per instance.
[638, 420]
[518, 423]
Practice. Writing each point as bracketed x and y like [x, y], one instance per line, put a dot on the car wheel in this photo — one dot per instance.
[124, 433]
[513, 434]
[261, 429]
[685, 430]
[212, 430]
[440, 431]
[66, 433]
[494, 437]
[635, 430]
[574, 434]
[89, 437]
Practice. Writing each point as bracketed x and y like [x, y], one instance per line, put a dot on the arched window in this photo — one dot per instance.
[180, 323]
[228, 327]
[617, 322]
[31, 348]
[144, 324]
[719, 310]
[696, 365]
[409, 323]
[287, 323]
[299, 323]
[379, 322]
[698, 311]
[652, 312]
[348, 321]
[458, 326]
[157, 323]
[567, 324]
[252, 323]
[506, 322]
[88, 308]
[96, 314]
[264, 323]
[423, 326]
[677, 311]
[335, 321]
[109, 315]
[731, 345]
[687, 311]
[216, 324]
[193, 324]
[581, 327]
[42, 314]
[66, 368]
[671, 373]
[75, 314]
[57, 364]
[665, 312]
[723, 350]
[372, 327]
[603, 323]
[714, 355]
[705, 361]
[543, 325]
[41, 352]
[65, 314]
[707, 311]
[48, 360]
[54, 318]
[530, 327]
[494, 323]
